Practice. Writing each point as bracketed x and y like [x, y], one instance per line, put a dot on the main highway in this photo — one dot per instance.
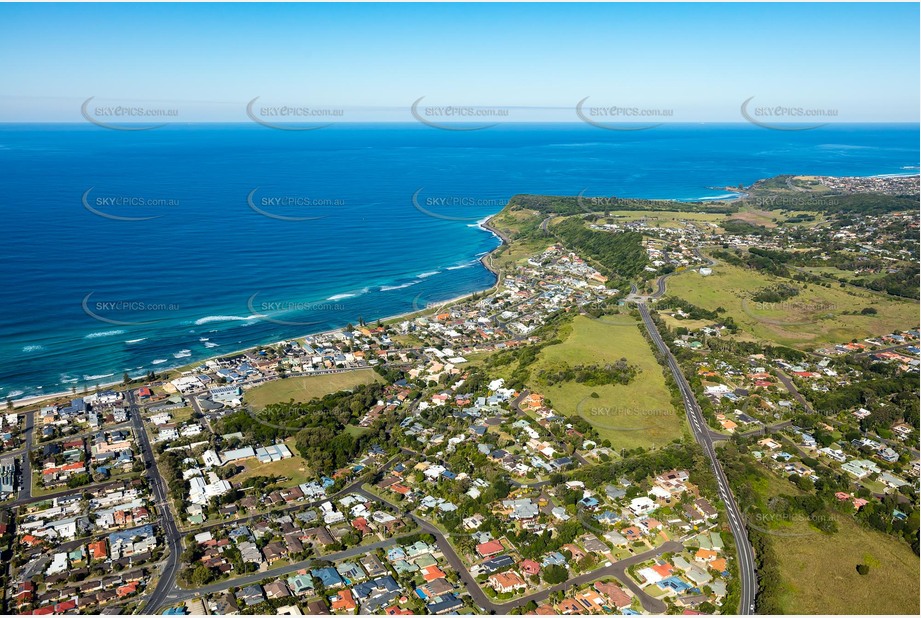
[168, 573]
[703, 436]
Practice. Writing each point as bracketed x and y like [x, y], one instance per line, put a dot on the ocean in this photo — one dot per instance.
[143, 250]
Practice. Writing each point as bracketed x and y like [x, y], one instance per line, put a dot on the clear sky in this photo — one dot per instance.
[700, 61]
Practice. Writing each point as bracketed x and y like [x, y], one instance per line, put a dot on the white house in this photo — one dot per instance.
[642, 505]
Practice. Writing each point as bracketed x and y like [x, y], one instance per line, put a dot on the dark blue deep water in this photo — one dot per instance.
[202, 269]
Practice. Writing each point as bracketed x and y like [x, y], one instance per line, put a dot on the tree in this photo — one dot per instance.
[78, 480]
[555, 574]
[201, 575]
[706, 608]
[863, 569]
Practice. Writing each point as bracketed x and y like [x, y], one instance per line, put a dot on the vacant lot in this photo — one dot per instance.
[305, 388]
[816, 316]
[770, 218]
[819, 571]
[672, 322]
[659, 218]
[836, 273]
[181, 415]
[294, 469]
[631, 415]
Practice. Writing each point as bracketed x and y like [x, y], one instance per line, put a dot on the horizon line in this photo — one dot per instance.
[501, 123]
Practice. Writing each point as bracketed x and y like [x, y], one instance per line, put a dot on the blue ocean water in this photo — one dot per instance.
[239, 235]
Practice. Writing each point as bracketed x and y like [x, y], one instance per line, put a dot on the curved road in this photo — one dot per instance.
[617, 569]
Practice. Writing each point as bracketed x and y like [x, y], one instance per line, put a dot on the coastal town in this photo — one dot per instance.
[452, 472]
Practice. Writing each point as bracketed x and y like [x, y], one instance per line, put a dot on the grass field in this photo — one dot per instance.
[763, 218]
[831, 271]
[295, 469]
[771, 218]
[305, 388]
[632, 415]
[355, 430]
[816, 316]
[819, 571]
[666, 219]
[181, 415]
[673, 322]
[511, 222]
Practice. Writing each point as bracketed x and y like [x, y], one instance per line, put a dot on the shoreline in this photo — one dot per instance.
[484, 260]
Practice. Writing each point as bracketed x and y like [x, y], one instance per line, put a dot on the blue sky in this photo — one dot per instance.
[699, 61]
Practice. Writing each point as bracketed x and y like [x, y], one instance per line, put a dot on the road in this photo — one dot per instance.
[794, 392]
[171, 594]
[787, 381]
[292, 508]
[515, 405]
[660, 283]
[167, 581]
[65, 492]
[25, 492]
[636, 297]
[702, 435]
[178, 595]
[761, 431]
[894, 348]
[617, 569]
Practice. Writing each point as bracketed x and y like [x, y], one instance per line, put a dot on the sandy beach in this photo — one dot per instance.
[484, 260]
